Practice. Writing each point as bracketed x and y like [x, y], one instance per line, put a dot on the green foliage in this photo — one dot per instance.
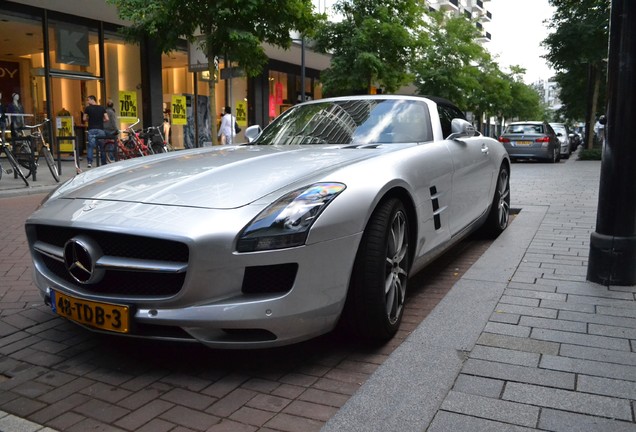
[372, 45]
[235, 28]
[590, 154]
[446, 64]
[453, 65]
[578, 41]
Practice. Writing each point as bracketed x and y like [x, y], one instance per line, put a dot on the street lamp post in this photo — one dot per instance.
[302, 67]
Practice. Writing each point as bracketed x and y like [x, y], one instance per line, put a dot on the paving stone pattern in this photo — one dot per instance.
[558, 353]
[55, 375]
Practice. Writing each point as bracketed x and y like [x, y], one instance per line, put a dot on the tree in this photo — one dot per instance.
[372, 45]
[446, 65]
[228, 28]
[577, 50]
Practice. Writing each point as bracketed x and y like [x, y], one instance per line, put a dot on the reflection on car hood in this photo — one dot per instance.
[217, 177]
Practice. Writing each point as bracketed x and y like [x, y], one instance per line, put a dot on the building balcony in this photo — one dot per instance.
[486, 16]
[449, 5]
[485, 37]
[478, 5]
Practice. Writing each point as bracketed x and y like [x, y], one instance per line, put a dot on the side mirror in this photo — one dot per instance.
[460, 128]
[252, 132]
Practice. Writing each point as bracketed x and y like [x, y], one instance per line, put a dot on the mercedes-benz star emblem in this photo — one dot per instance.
[80, 257]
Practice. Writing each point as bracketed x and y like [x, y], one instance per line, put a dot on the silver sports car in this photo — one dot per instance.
[320, 219]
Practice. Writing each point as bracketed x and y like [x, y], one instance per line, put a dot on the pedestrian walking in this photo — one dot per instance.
[95, 115]
[226, 131]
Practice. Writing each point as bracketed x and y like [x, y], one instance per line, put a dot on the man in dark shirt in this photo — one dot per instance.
[95, 115]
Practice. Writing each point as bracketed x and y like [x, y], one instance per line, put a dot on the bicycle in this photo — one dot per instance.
[117, 148]
[28, 150]
[154, 139]
[133, 142]
[15, 167]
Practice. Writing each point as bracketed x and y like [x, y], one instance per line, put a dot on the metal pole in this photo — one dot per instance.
[302, 69]
[613, 246]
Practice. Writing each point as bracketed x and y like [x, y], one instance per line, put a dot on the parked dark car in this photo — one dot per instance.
[531, 140]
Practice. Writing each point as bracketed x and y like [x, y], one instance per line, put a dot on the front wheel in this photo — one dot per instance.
[50, 162]
[375, 302]
[17, 171]
[499, 214]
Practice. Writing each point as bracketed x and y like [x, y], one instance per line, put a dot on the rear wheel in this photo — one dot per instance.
[500, 208]
[375, 302]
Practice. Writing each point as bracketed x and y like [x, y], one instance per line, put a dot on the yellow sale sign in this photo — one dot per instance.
[128, 106]
[178, 110]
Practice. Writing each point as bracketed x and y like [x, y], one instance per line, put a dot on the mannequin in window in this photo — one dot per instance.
[15, 107]
[166, 123]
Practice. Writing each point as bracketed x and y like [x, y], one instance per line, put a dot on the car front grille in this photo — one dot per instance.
[144, 266]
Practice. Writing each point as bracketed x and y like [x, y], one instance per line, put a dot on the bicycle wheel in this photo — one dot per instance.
[23, 154]
[48, 157]
[109, 151]
[16, 167]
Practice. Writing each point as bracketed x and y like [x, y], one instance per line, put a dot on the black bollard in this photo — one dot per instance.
[612, 259]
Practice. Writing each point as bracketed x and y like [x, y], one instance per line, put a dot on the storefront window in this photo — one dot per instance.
[21, 50]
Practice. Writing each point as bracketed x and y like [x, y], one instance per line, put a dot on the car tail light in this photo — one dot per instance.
[543, 139]
[503, 140]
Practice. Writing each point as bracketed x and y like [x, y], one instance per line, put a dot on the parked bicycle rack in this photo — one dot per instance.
[76, 156]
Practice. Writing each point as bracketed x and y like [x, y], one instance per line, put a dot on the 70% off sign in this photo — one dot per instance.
[128, 106]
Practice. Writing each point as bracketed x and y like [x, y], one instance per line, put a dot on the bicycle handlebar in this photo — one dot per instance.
[37, 125]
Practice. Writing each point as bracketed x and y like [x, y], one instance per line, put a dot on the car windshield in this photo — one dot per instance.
[524, 129]
[357, 122]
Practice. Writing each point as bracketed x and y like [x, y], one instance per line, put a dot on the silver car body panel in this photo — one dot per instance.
[204, 197]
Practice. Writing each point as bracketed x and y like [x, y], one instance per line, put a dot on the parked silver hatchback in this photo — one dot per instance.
[563, 135]
[531, 140]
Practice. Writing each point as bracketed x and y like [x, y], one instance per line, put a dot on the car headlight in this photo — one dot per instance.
[286, 222]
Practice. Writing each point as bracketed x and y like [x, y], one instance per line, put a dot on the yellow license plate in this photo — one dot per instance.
[104, 316]
[523, 143]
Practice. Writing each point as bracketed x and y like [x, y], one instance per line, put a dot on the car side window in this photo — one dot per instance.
[446, 116]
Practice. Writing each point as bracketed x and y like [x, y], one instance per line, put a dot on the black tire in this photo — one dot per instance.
[375, 301]
[24, 156]
[158, 148]
[16, 167]
[50, 162]
[499, 214]
[110, 151]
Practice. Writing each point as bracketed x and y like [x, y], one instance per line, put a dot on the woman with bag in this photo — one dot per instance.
[227, 130]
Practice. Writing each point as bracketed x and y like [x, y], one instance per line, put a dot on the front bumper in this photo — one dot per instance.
[213, 305]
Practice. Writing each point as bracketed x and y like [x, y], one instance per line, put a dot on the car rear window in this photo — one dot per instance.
[524, 129]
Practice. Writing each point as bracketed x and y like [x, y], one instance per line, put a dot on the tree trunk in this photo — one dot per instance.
[596, 82]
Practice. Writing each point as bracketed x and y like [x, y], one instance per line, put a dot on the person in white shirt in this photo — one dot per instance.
[226, 131]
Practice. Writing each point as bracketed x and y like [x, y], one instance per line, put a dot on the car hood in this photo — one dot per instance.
[217, 177]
